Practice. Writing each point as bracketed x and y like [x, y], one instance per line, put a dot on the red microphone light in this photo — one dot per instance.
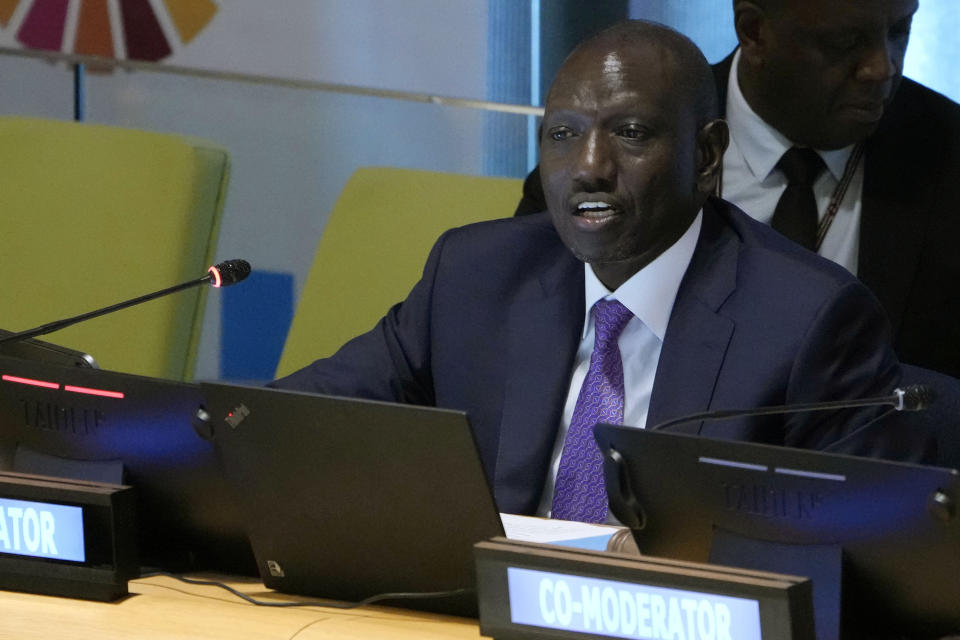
[217, 280]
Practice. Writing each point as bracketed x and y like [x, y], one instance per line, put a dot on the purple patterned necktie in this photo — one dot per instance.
[579, 493]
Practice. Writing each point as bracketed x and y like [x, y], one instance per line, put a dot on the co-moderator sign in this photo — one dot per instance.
[626, 610]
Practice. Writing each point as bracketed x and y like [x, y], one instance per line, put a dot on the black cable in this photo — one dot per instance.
[416, 595]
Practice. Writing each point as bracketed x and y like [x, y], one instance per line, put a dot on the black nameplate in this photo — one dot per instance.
[528, 590]
[66, 537]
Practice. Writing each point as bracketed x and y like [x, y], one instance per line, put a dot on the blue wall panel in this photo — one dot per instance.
[255, 316]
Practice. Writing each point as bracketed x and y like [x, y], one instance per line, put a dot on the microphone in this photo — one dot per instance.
[914, 397]
[222, 274]
[226, 273]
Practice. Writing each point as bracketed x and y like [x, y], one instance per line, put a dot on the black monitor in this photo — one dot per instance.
[91, 424]
[41, 351]
[885, 534]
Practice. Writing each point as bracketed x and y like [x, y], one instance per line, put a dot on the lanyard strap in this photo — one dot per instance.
[837, 196]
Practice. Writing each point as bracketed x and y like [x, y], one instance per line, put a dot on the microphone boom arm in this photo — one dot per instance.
[902, 399]
[222, 274]
[50, 327]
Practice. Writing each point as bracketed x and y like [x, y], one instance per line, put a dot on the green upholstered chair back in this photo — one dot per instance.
[92, 215]
[374, 248]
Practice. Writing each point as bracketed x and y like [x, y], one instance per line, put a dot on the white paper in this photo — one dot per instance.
[530, 529]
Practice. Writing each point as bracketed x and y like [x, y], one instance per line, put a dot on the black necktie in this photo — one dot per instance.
[796, 213]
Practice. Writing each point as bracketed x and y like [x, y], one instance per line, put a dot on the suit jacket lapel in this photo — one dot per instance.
[544, 327]
[697, 337]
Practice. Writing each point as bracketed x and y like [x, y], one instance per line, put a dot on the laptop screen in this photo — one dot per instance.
[348, 498]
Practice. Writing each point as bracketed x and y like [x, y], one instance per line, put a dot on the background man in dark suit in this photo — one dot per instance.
[714, 310]
[826, 76]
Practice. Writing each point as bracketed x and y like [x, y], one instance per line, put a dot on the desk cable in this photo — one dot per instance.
[332, 604]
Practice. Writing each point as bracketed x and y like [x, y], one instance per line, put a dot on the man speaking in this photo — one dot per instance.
[637, 298]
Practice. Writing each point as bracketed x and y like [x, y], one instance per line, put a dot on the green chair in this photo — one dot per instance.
[92, 215]
[374, 248]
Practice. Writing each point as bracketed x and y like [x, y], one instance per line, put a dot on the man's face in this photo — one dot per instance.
[828, 68]
[618, 158]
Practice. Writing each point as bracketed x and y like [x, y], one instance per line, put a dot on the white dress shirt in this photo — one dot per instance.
[752, 182]
[649, 294]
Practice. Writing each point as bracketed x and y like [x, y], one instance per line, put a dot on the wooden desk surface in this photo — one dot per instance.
[162, 607]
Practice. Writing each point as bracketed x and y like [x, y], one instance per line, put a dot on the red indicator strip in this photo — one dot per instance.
[93, 392]
[66, 387]
[30, 381]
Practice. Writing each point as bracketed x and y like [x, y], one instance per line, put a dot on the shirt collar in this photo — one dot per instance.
[650, 292]
[762, 146]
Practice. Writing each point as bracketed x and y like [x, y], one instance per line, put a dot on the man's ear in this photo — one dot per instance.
[712, 141]
[749, 20]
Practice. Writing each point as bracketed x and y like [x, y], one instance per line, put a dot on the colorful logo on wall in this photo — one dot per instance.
[131, 29]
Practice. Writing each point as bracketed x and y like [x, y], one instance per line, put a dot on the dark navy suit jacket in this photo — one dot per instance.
[493, 326]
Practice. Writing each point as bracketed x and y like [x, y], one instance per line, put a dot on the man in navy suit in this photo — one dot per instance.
[723, 311]
[827, 76]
